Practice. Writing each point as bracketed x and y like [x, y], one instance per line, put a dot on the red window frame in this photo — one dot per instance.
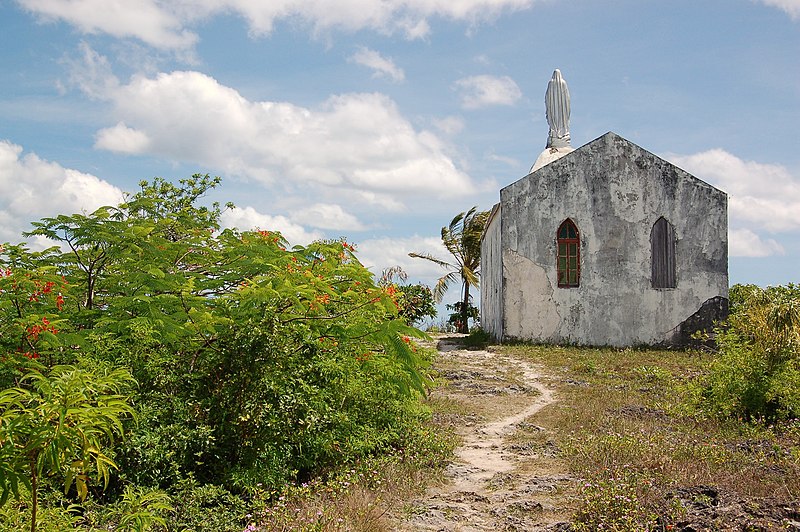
[568, 255]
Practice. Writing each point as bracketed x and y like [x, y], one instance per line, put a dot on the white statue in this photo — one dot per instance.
[556, 104]
[556, 101]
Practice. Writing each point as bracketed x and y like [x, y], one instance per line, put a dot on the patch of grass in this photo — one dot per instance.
[360, 496]
[627, 426]
[477, 339]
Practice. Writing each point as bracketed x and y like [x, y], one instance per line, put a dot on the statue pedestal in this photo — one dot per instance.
[549, 155]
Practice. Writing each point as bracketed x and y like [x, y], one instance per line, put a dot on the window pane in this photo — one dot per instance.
[562, 232]
[572, 233]
[562, 263]
[562, 249]
[573, 263]
[573, 277]
[573, 250]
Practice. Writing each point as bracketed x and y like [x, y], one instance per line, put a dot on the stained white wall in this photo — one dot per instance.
[614, 191]
[492, 285]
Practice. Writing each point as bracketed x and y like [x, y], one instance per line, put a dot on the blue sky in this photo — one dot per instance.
[379, 120]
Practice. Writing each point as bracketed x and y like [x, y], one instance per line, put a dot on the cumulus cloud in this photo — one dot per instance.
[385, 201]
[381, 66]
[380, 253]
[351, 140]
[151, 21]
[167, 25]
[484, 90]
[761, 197]
[34, 188]
[248, 219]
[745, 243]
[327, 216]
[123, 139]
[791, 7]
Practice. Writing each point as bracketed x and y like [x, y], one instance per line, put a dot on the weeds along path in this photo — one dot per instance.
[506, 475]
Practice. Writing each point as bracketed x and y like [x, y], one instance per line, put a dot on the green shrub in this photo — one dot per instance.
[256, 364]
[756, 373]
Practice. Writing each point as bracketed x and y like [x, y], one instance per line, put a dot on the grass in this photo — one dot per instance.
[626, 425]
[365, 496]
[359, 497]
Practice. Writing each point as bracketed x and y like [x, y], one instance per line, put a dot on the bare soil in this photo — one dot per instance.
[507, 474]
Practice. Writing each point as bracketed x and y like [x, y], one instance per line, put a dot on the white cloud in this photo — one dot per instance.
[510, 161]
[150, 21]
[761, 196]
[248, 219]
[449, 125]
[484, 90]
[327, 216]
[123, 139]
[745, 243]
[166, 24]
[384, 201]
[791, 7]
[350, 141]
[92, 73]
[380, 253]
[34, 188]
[381, 66]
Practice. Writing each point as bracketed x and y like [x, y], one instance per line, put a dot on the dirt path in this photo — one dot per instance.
[506, 475]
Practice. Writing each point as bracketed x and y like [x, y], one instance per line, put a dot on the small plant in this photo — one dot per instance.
[477, 338]
[59, 424]
[460, 317]
[652, 374]
[142, 509]
[614, 503]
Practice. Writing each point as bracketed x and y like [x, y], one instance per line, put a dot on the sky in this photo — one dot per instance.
[379, 120]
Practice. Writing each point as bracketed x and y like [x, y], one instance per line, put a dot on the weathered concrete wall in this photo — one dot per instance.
[491, 277]
[614, 191]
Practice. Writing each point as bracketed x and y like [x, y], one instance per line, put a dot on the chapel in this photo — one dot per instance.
[606, 244]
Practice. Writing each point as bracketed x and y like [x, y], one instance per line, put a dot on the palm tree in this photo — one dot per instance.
[462, 238]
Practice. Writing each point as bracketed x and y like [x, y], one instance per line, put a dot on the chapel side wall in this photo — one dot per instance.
[492, 278]
[614, 191]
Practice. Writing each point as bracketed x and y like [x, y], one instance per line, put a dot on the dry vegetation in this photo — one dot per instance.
[629, 447]
[626, 423]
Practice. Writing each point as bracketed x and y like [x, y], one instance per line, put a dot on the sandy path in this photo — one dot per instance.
[506, 475]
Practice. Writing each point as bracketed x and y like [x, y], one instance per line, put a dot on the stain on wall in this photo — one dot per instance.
[615, 192]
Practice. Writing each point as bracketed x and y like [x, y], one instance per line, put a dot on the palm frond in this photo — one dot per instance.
[442, 285]
[428, 256]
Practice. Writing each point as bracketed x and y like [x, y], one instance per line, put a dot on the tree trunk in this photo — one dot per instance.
[464, 325]
[34, 494]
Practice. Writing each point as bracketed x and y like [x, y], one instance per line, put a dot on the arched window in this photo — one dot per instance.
[569, 255]
[662, 247]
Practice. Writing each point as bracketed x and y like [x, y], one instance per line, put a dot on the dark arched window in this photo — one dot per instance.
[569, 255]
[662, 247]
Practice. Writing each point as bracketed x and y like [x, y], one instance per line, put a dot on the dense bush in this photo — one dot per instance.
[256, 364]
[756, 374]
